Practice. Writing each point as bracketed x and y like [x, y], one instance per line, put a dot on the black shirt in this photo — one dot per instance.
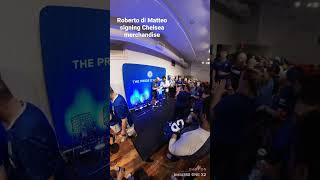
[232, 116]
[308, 146]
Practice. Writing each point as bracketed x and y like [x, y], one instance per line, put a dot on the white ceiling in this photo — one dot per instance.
[188, 27]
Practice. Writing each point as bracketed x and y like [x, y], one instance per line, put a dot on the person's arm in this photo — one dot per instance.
[124, 123]
[3, 174]
[180, 147]
[221, 73]
[270, 111]
[173, 148]
[218, 92]
[121, 174]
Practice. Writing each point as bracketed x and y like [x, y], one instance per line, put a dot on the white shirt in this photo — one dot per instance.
[165, 84]
[189, 142]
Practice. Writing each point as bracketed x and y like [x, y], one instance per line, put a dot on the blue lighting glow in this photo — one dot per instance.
[138, 82]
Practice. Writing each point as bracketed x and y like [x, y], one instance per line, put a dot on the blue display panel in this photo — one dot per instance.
[75, 50]
[138, 80]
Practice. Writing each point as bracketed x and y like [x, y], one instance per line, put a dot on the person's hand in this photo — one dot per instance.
[123, 132]
[174, 135]
[121, 173]
[220, 89]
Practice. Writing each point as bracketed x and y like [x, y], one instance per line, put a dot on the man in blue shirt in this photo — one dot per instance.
[32, 147]
[222, 66]
[155, 90]
[121, 114]
[234, 117]
[179, 81]
[284, 103]
[222, 69]
[183, 102]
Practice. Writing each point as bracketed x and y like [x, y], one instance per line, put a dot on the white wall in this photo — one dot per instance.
[223, 30]
[21, 61]
[200, 71]
[116, 78]
[292, 34]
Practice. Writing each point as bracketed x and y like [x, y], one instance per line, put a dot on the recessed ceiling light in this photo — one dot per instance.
[208, 59]
[297, 4]
[202, 62]
[208, 63]
[315, 5]
[310, 4]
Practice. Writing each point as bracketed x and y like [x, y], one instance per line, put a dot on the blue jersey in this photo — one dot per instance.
[285, 101]
[32, 147]
[183, 99]
[120, 110]
[223, 66]
[179, 82]
[233, 114]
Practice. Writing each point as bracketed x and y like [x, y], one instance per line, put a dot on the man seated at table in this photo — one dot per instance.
[194, 143]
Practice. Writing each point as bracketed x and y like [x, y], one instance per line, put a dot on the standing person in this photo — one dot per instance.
[222, 68]
[183, 102]
[306, 157]
[165, 86]
[252, 62]
[121, 114]
[274, 72]
[233, 116]
[172, 88]
[32, 146]
[185, 81]
[155, 90]
[237, 68]
[178, 85]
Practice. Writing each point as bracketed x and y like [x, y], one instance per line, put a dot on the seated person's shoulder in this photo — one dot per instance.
[120, 98]
[31, 122]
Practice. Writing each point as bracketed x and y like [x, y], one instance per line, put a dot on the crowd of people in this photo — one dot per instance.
[265, 116]
[192, 104]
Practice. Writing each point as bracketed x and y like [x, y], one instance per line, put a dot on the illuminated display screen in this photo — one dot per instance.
[138, 80]
[76, 68]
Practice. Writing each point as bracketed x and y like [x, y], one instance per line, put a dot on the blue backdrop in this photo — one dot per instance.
[75, 50]
[137, 81]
